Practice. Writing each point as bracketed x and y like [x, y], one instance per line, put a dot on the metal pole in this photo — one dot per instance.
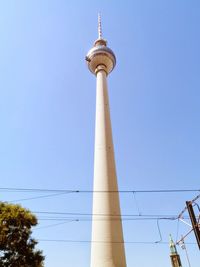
[193, 221]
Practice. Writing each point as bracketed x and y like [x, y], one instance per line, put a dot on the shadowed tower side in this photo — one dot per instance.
[107, 247]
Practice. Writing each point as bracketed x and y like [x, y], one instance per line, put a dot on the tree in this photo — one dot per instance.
[17, 247]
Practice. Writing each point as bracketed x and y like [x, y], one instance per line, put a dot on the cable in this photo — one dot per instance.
[56, 224]
[141, 216]
[159, 241]
[44, 196]
[36, 190]
[177, 229]
[113, 219]
[125, 242]
[136, 203]
[101, 214]
[155, 216]
[59, 216]
[123, 217]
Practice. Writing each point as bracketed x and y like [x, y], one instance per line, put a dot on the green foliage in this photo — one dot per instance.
[17, 248]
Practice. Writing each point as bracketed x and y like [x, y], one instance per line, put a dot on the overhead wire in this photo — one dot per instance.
[59, 215]
[125, 242]
[111, 219]
[156, 216]
[136, 203]
[55, 224]
[39, 197]
[78, 217]
[159, 231]
[36, 190]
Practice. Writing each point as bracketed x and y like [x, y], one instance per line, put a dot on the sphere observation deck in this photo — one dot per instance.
[100, 56]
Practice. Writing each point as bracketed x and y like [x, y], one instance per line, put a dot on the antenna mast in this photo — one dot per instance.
[99, 26]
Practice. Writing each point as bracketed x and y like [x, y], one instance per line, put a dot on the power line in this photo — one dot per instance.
[39, 197]
[58, 192]
[59, 216]
[112, 219]
[117, 242]
[55, 224]
[70, 220]
[99, 214]
[37, 190]
[156, 216]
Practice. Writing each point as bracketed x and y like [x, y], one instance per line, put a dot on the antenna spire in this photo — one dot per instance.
[99, 26]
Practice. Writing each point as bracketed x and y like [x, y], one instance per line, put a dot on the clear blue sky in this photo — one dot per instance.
[47, 113]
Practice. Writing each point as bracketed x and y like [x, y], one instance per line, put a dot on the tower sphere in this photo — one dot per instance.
[100, 56]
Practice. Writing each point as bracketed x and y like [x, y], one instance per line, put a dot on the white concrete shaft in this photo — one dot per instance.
[107, 235]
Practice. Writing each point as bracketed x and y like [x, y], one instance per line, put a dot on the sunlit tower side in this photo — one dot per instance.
[175, 258]
[107, 244]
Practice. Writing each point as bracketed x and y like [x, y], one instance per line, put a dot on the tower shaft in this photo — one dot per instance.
[107, 236]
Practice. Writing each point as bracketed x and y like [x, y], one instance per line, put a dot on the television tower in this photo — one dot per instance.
[107, 245]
